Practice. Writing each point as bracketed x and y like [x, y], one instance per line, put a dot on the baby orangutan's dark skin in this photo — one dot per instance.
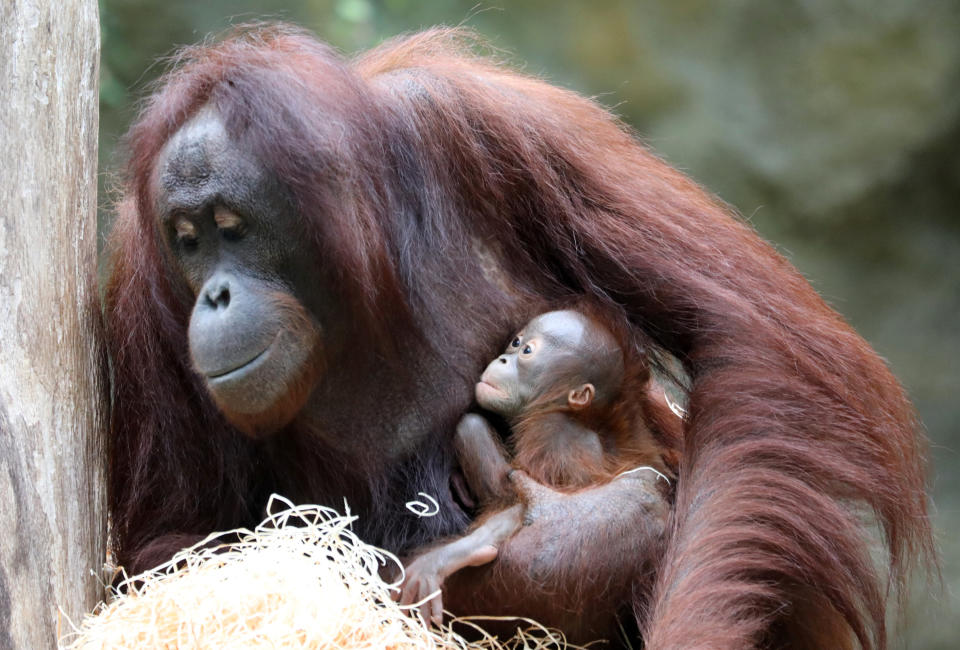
[560, 385]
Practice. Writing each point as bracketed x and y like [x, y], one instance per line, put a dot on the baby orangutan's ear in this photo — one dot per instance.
[580, 398]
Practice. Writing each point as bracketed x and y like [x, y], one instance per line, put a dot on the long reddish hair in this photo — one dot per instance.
[796, 427]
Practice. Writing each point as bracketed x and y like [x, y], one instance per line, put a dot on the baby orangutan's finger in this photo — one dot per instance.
[436, 610]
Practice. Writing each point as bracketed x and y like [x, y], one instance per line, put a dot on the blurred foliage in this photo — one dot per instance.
[833, 125]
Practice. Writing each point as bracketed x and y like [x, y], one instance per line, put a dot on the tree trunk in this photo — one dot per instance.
[53, 397]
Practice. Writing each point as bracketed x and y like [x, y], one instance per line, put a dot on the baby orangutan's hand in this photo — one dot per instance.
[421, 579]
[425, 575]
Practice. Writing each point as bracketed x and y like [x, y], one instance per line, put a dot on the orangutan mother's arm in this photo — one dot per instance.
[597, 549]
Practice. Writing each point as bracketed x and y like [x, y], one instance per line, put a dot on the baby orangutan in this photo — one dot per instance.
[579, 414]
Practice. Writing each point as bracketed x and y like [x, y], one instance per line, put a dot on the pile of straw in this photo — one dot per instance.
[301, 579]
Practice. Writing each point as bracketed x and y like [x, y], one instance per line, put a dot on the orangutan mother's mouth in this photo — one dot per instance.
[244, 366]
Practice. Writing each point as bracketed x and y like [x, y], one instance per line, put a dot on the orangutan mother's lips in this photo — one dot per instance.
[223, 374]
[241, 368]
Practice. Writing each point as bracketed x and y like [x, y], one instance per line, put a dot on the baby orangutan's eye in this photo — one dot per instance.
[526, 350]
[515, 343]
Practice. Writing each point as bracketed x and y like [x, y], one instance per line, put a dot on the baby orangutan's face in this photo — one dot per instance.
[540, 356]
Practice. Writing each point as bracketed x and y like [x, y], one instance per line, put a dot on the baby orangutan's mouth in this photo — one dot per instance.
[491, 387]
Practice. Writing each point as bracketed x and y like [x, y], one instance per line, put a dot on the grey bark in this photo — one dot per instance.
[52, 370]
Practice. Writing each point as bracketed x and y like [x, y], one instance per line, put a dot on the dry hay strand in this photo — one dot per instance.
[301, 579]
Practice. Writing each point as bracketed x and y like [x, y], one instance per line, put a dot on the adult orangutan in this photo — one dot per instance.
[315, 257]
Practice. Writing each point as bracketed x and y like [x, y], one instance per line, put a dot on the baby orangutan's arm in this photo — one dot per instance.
[425, 575]
[482, 460]
[485, 469]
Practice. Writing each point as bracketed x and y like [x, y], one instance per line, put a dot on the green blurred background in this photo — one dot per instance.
[832, 125]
